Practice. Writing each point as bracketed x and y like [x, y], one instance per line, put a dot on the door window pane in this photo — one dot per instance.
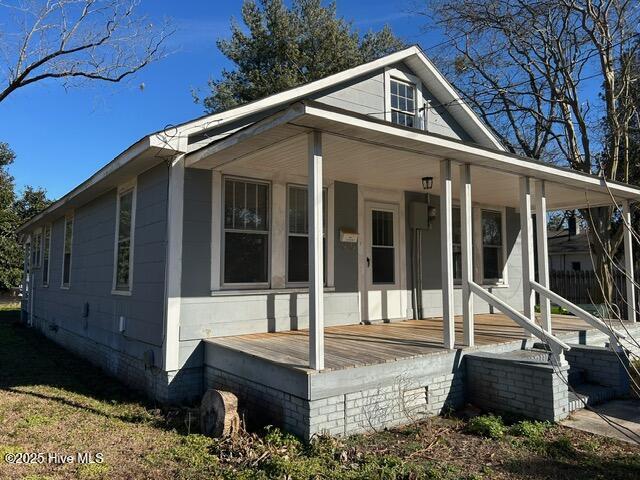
[382, 247]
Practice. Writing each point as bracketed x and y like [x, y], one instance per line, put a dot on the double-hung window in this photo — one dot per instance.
[492, 246]
[45, 255]
[66, 254]
[403, 103]
[246, 232]
[124, 240]
[37, 250]
[298, 233]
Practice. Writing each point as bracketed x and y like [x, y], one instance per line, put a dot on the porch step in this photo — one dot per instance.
[528, 355]
[589, 393]
[577, 376]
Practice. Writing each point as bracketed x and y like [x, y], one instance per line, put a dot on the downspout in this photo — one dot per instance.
[419, 272]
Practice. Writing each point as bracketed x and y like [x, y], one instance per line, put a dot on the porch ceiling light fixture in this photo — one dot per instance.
[427, 183]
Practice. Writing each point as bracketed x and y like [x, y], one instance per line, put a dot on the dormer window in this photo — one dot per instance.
[403, 102]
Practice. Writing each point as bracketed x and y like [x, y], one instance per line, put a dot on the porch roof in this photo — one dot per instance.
[367, 151]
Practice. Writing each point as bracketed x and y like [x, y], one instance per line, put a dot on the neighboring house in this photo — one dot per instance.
[569, 249]
[199, 258]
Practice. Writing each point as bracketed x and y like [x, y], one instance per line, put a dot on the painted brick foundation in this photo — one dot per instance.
[517, 387]
[176, 387]
[397, 402]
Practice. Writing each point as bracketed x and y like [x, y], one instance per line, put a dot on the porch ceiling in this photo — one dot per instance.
[368, 153]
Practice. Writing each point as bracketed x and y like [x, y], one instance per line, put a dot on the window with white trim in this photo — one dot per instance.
[46, 250]
[66, 252]
[492, 246]
[37, 250]
[403, 102]
[124, 240]
[298, 233]
[246, 232]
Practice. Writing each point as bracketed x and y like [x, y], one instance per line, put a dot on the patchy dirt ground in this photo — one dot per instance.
[55, 403]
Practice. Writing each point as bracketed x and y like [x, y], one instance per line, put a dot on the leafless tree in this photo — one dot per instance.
[74, 40]
[530, 68]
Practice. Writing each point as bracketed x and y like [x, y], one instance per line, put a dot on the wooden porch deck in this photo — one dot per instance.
[358, 345]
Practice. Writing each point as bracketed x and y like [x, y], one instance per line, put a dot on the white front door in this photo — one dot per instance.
[383, 296]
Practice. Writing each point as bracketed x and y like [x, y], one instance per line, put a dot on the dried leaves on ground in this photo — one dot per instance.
[52, 401]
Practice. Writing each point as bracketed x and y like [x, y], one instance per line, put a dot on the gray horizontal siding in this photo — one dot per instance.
[366, 96]
[92, 272]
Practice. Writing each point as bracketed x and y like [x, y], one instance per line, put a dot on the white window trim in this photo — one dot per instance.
[64, 242]
[277, 235]
[390, 73]
[289, 283]
[479, 250]
[248, 285]
[131, 186]
[48, 248]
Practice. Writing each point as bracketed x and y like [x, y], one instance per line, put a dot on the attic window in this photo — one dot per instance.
[403, 102]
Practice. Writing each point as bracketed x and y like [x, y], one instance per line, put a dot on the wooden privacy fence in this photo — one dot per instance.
[582, 288]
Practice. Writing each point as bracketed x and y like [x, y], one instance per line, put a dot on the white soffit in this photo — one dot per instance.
[282, 135]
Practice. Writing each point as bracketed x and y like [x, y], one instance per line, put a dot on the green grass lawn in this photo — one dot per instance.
[53, 402]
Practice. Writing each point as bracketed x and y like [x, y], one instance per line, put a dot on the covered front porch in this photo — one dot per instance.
[352, 346]
[315, 146]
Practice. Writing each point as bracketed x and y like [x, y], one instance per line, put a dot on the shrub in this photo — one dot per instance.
[490, 426]
[528, 429]
[560, 448]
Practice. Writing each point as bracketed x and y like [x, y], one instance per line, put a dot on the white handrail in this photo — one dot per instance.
[517, 317]
[576, 310]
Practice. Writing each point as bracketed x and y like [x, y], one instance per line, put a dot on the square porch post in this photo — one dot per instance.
[526, 235]
[446, 240]
[466, 219]
[543, 253]
[628, 262]
[316, 261]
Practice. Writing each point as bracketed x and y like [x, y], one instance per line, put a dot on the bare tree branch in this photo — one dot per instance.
[76, 39]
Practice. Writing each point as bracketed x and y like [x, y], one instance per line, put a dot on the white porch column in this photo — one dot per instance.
[466, 220]
[628, 262]
[446, 240]
[316, 262]
[526, 236]
[543, 253]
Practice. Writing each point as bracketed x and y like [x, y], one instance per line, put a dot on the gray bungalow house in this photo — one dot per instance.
[352, 253]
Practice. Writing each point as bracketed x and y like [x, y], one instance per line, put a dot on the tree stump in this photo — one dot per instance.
[219, 413]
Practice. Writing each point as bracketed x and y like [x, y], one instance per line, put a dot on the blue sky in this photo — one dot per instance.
[61, 137]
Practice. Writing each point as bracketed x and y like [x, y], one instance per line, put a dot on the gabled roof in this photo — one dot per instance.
[412, 56]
